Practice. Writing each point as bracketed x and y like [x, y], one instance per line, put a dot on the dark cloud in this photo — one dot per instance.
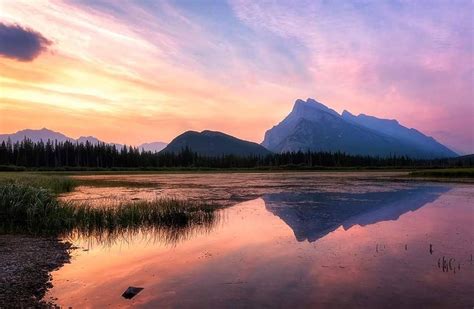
[21, 43]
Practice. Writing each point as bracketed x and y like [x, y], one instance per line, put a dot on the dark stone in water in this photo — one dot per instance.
[131, 292]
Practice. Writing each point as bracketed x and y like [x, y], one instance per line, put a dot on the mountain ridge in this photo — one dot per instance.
[310, 125]
[313, 126]
[393, 128]
[214, 143]
[44, 134]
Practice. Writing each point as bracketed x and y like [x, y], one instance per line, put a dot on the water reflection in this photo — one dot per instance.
[368, 246]
[224, 189]
[313, 215]
[168, 235]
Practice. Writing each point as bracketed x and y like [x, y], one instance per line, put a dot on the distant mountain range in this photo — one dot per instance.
[313, 126]
[309, 126]
[212, 143]
[46, 134]
[153, 147]
[36, 136]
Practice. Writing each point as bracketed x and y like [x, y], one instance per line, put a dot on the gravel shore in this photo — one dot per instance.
[25, 266]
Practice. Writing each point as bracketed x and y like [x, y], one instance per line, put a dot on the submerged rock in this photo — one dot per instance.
[131, 292]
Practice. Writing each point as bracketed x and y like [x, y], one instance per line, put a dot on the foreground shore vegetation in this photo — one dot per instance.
[24, 208]
[29, 204]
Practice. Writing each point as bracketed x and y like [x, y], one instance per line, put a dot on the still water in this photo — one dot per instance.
[283, 240]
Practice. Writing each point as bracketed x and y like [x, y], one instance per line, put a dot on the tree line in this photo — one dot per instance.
[72, 155]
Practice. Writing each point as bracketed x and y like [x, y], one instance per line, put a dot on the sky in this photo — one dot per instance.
[140, 71]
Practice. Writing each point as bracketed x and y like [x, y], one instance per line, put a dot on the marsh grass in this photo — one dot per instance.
[445, 173]
[160, 212]
[54, 183]
[25, 208]
[166, 221]
[101, 182]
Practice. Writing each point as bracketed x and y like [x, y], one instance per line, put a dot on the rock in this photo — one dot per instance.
[131, 292]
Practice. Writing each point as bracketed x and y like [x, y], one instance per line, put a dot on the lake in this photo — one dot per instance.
[281, 240]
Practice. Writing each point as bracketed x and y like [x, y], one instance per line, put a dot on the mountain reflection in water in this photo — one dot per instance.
[369, 244]
[312, 215]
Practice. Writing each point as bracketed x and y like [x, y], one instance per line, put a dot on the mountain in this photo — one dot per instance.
[211, 143]
[153, 147]
[90, 139]
[46, 134]
[313, 126]
[392, 127]
[35, 136]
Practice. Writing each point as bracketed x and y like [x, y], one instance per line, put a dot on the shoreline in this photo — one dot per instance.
[26, 263]
[261, 169]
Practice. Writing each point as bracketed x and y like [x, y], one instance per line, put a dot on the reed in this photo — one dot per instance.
[28, 209]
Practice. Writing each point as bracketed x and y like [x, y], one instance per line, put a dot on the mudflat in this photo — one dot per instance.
[25, 267]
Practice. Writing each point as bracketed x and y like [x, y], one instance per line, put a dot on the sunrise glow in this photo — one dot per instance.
[133, 72]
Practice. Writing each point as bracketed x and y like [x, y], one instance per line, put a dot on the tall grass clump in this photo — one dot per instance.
[168, 220]
[143, 214]
[32, 209]
[28, 209]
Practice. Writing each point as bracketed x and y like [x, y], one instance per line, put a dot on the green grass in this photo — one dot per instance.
[445, 173]
[29, 205]
[55, 183]
[159, 212]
